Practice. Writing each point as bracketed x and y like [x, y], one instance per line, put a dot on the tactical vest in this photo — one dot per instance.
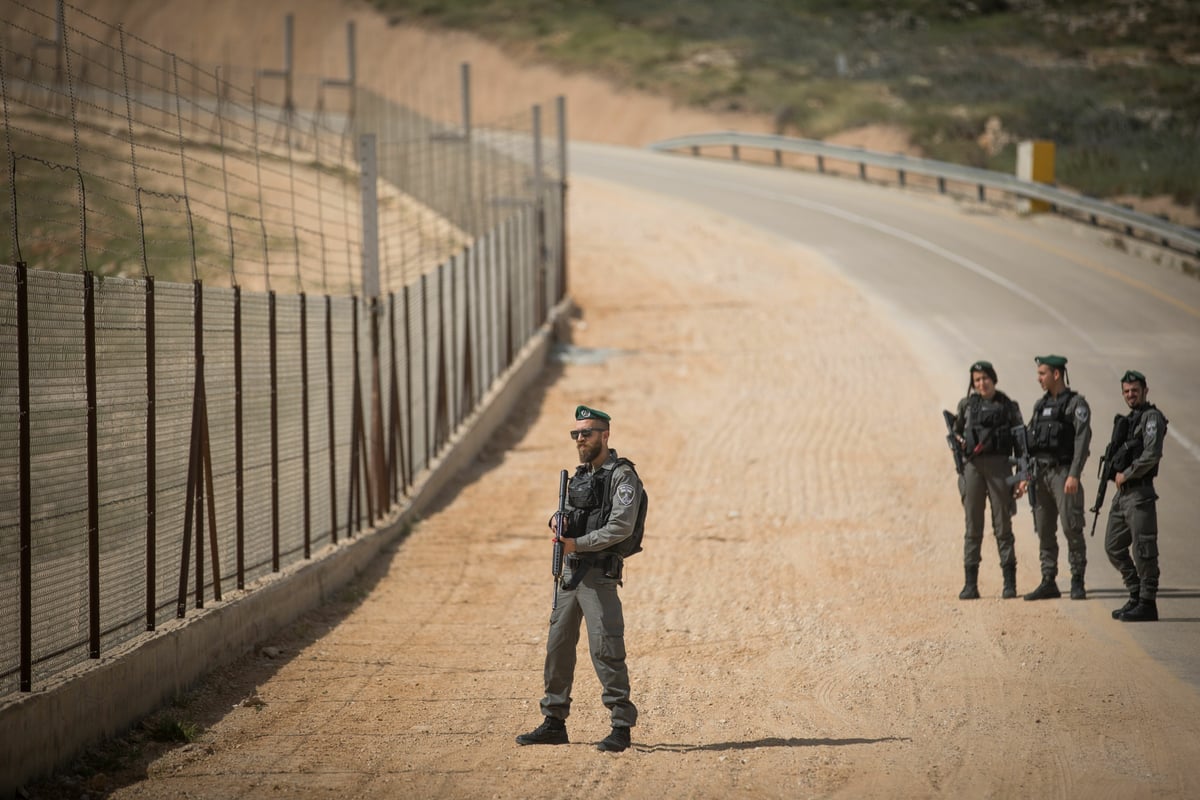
[1053, 428]
[987, 423]
[591, 505]
[1135, 442]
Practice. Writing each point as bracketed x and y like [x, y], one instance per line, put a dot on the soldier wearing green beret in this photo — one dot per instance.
[604, 499]
[1133, 517]
[1060, 433]
[983, 424]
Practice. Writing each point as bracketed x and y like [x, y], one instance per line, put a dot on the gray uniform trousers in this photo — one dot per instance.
[1054, 504]
[1133, 525]
[594, 601]
[985, 478]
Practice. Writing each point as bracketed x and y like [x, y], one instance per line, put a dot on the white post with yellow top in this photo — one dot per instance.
[1035, 163]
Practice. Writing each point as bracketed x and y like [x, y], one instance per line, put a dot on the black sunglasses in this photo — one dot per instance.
[585, 432]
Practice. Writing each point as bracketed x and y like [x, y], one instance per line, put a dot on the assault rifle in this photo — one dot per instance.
[1108, 471]
[1027, 465]
[960, 459]
[560, 530]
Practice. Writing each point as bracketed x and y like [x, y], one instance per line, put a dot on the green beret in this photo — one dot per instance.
[986, 368]
[583, 412]
[1133, 376]
[1054, 362]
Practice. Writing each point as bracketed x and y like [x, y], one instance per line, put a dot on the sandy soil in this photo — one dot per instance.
[793, 628]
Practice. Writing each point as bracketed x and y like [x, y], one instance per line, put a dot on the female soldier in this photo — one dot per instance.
[984, 423]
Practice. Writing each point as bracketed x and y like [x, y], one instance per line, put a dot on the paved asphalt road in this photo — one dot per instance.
[965, 281]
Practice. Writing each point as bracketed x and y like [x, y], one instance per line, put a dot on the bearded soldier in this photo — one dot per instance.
[983, 424]
[603, 516]
[1132, 517]
[1060, 432]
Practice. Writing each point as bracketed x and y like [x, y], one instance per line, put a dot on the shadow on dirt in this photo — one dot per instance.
[1162, 593]
[754, 744]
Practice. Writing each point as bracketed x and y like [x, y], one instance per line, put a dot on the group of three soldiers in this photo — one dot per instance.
[990, 432]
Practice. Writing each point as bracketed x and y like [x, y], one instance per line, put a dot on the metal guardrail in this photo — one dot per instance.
[1133, 223]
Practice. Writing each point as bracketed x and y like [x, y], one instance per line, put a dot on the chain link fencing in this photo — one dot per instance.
[199, 387]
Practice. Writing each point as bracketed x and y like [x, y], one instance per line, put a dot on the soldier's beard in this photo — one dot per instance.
[588, 452]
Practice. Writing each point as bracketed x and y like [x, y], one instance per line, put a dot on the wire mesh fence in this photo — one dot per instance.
[198, 386]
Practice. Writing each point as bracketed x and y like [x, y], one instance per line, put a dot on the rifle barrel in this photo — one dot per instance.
[556, 559]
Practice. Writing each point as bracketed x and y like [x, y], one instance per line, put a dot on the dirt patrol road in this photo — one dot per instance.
[792, 628]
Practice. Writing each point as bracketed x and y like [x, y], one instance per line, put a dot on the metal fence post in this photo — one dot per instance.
[333, 515]
[539, 221]
[560, 107]
[376, 482]
[25, 467]
[273, 338]
[304, 422]
[151, 460]
[408, 398]
[239, 440]
[471, 222]
[93, 466]
[368, 176]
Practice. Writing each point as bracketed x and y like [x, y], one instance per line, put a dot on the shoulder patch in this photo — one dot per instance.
[1081, 412]
[625, 494]
[1151, 427]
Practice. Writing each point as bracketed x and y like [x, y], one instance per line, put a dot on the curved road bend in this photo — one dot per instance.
[966, 281]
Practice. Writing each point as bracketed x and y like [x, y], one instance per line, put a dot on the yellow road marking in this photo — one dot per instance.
[1086, 264]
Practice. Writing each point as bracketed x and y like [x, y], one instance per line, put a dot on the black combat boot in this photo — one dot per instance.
[1144, 611]
[970, 590]
[616, 741]
[1046, 590]
[1077, 590]
[1010, 582]
[551, 731]
[1130, 604]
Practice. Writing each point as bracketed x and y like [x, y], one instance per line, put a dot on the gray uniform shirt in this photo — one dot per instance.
[1082, 415]
[626, 492]
[1152, 428]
